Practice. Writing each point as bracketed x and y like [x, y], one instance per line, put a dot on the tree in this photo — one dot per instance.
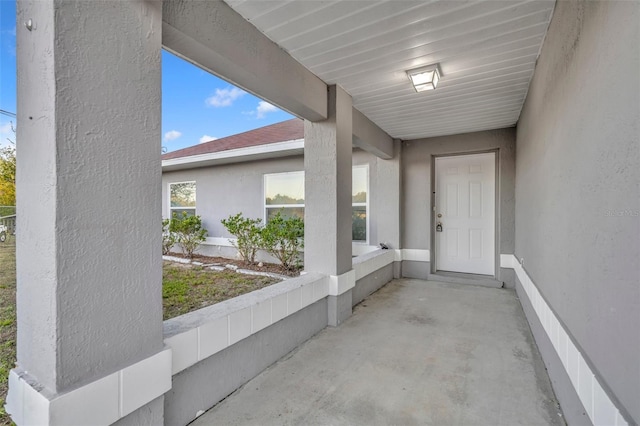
[8, 174]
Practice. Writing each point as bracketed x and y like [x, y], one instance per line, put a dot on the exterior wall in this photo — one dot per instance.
[416, 181]
[371, 283]
[231, 188]
[577, 210]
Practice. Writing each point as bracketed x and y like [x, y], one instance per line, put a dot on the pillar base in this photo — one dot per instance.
[339, 308]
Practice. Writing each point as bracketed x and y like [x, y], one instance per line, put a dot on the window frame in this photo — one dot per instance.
[365, 204]
[171, 208]
[264, 194]
[278, 206]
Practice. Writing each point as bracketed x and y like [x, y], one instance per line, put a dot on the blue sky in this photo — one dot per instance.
[196, 105]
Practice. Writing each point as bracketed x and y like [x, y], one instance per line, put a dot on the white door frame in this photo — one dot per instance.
[433, 219]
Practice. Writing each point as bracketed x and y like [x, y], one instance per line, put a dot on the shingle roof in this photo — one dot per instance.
[280, 132]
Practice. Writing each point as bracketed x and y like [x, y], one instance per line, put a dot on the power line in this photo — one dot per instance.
[8, 113]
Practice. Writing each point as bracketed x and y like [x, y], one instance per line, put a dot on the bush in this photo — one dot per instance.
[283, 237]
[168, 237]
[188, 232]
[248, 235]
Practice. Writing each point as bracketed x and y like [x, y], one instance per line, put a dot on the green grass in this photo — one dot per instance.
[184, 289]
[7, 319]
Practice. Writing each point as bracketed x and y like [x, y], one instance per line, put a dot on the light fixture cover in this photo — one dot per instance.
[425, 78]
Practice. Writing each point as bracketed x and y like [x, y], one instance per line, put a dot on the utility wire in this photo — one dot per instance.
[7, 113]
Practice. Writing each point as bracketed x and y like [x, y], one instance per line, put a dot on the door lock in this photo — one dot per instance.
[439, 214]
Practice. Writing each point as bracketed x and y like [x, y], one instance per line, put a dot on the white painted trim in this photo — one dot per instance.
[599, 407]
[339, 284]
[365, 204]
[372, 262]
[279, 149]
[170, 209]
[359, 248]
[506, 261]
[416, 255]
[199, 334]
[219, 241]
[265, 206]
[397, 255]
[102, 401]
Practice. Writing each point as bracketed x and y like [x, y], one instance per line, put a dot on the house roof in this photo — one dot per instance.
[280, 132]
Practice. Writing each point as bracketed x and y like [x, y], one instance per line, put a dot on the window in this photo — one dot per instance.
[359, 204]
[286, 191]
[182, 198]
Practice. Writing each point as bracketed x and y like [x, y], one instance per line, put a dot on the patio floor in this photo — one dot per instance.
[415, 352]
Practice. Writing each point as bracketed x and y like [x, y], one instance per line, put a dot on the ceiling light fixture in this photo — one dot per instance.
[425, 78]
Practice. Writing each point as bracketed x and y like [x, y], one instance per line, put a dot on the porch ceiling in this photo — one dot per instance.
[486, 49]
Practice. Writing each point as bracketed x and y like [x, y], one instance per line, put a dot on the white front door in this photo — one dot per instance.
[465, 210]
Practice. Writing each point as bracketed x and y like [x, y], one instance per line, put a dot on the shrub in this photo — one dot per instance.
[248, 235]
[283, 237]
[168, 237]
[188, 232]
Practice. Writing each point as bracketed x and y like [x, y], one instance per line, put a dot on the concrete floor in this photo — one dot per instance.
[415, 352]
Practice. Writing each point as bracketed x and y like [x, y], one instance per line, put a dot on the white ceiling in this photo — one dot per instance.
[486, 49]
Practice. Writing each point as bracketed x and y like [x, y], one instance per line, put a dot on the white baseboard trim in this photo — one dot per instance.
[103, 401]
[339, 284]
[416, 255]
[600, 409]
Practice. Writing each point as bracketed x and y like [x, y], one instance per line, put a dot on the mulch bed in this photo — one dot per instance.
[222, 261]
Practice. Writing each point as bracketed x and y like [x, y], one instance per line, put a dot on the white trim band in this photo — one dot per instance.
[339, 284]
[199, 334]
[506, 261]
[416, 255]
[371, 262]
[599, 407]
[101, 402]
[258, 152]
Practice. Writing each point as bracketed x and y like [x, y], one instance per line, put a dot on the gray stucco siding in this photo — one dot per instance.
[228, 189]
[416, 181]
[577, 220]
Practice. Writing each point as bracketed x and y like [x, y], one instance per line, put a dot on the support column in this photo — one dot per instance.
[89, 267]
[389, 206]
[327, 164]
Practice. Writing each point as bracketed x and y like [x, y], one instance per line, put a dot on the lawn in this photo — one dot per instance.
[184, 289]
[7, 318]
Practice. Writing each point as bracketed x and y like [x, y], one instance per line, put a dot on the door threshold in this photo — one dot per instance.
[464, 278]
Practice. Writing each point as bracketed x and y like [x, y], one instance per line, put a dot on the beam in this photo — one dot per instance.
[216, 38]
[368, 136]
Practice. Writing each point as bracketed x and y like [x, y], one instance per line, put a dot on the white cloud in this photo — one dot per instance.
[207, 138]
[224, 97]
[5, 129]
[171, 135]
[264, 108]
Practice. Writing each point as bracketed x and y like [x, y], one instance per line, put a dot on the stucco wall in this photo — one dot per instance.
[88, 190]
[228, 189]
[577, 192]
[416, 182]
